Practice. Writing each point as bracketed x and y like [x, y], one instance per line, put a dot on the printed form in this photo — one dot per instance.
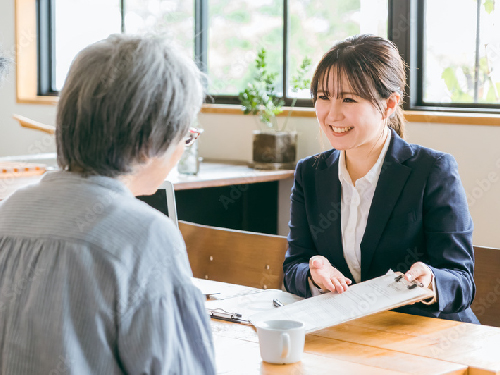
[369, 297]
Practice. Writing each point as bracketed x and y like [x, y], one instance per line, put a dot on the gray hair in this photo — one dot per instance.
[4, 66]
[125, 99]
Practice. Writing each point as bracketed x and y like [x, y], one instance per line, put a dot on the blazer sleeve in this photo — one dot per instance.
[301, 246]
[448, 229]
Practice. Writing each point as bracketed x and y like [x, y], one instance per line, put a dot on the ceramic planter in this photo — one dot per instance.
[274, 150]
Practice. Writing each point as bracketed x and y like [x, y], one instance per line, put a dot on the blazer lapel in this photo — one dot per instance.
[328, 191]
[392, 179]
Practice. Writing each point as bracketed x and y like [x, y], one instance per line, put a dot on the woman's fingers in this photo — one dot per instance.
[343, 284]
[326, 276]
[420, 272]
[416, 270]
[338, 287]
[329, 285]
[334, 284]
[337, 284]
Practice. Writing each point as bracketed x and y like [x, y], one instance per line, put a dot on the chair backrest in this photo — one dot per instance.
[245, 258]
[486, 304]
[163, 200]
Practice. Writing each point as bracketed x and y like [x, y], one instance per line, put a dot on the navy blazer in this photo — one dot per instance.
[419, 212]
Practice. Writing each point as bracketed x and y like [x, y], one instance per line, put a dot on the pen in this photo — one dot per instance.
[233, 319]
[277, 303]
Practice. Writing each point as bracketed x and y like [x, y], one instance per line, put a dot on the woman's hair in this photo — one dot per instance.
[373, 69]
[125, 99]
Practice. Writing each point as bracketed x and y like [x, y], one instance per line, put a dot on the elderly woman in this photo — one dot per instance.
[92, 280]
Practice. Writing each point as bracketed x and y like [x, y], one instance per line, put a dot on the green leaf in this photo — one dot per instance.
[299, 82]
[489, 6]
[260, 95]
[450, 79]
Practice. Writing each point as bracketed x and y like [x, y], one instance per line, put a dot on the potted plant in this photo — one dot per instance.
[274, 147]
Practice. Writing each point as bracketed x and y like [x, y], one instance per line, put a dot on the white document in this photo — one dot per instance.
[219, 290]
[369, 297]
[253, 303]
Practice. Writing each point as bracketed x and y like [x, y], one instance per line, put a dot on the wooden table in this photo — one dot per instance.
[384, 343]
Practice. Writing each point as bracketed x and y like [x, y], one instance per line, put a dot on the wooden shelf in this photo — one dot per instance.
[223, 174]
[210, 175]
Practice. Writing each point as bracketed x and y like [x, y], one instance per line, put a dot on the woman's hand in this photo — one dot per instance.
[326, 276]
[420, 272]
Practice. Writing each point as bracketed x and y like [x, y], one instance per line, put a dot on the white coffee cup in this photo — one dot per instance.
[281, 341]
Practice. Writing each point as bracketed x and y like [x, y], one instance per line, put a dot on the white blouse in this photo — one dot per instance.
[355, 206]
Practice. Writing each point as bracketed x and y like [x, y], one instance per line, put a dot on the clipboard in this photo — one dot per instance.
[238, 309]
[222, 314]
[369, 297]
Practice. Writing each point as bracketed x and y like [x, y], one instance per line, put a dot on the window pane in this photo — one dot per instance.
[79, 23]
[489, 54]
[449, 60]
[172, 18]
[237, 30]
[315, 27]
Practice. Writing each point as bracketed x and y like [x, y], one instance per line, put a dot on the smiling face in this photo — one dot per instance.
[356, 89]
[348, 121]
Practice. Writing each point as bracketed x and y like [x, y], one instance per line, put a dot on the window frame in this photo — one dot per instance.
[407, 32]
[405, 28]
[45, 47]
[46, 50]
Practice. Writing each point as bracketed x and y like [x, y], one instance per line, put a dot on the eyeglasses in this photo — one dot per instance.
[192, 136]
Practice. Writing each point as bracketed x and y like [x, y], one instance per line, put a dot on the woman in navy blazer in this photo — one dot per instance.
[418, 220]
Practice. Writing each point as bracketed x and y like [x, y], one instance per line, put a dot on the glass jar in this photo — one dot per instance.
[189, 163]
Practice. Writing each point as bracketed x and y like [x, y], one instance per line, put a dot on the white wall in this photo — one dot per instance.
[476, 149]
[229, 137]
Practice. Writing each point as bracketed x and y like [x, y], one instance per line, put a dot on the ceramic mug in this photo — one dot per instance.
[281, 341]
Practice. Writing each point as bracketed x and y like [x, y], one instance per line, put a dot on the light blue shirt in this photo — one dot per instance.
[94, 281]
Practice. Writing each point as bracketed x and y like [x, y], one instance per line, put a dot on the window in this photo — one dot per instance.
[454, 61]
[236, 30]
[462, 69]
[76, 25]
[314, 27]
[173, 18]
[454, 54]
[224, 36]
[65, 27]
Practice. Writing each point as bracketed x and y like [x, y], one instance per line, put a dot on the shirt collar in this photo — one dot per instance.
[71, 177]
[343, 174]
[374, 173]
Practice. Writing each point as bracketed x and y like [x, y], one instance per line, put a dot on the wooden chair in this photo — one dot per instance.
[486, 304]
[245, 258]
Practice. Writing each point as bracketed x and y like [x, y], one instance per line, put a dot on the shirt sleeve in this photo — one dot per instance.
[315, 291]
[168, 335]
[164, 328]
[432, 287]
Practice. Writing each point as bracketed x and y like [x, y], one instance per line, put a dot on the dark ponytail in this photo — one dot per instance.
[397, 121]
